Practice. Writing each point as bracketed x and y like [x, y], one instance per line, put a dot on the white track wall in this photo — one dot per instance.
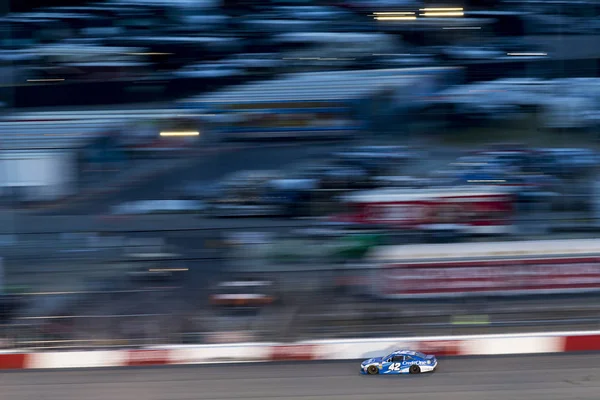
[350, 349]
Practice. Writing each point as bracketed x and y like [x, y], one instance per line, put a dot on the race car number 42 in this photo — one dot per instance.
[395, 367]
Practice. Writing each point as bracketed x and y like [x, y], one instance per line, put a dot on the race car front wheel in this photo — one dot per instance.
[372, 370]
[415, 369]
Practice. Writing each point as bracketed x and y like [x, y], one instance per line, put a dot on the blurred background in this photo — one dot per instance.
[211, 171]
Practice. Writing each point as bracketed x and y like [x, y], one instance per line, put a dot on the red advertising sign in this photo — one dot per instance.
[582, 343]
[506, 276]
[147, 357]
[400, 213]
[440, 347]
[492, 210]
[293, 353]
[476, 210]
[12, 361]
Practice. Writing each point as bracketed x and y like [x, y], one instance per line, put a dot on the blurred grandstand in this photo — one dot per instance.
[286, 142]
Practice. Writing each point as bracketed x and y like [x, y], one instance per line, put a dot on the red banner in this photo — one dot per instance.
[147, 357]
[12, 361]
[504, 276]
[293, 353]
[582, 343]
[440, 348]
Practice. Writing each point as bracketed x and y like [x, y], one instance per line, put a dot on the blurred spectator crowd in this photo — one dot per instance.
[214, 43]
[388, 175]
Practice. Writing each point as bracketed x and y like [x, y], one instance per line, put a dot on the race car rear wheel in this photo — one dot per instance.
[372, 370]
[415, 369]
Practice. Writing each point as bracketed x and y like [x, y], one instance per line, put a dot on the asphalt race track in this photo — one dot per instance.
[547, 377]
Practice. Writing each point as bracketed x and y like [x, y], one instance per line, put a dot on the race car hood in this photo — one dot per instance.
[375, 360]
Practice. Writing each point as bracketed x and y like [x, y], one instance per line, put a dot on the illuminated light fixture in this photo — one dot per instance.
[394, 16]
[394, 13]
[397, 18]
[46, 80]
[526, 54]
[462, 27]
[180, 133]
[444, 14]
[442, 9]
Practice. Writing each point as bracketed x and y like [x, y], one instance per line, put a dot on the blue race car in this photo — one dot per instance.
[399, 362]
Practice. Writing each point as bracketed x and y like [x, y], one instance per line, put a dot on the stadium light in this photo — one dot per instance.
[180, 133]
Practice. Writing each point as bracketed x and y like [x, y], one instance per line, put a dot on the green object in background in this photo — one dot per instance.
[471, 320]
[289, 250]
[356, 246]
[344, 247]
[12, 289]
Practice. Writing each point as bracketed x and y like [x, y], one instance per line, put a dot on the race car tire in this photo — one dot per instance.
[372, 370]
[414, 369]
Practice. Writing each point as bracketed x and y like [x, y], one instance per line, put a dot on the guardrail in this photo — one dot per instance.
[95, 331]
[501, 327]
[352, 349]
